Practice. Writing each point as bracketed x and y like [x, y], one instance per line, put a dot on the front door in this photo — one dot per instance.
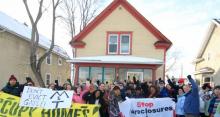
[137, 75]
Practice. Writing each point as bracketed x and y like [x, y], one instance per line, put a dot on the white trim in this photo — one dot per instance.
[141, 73]
[60, 64]
[109, 43]
[46, 78]
[50, 59]
[129, 48]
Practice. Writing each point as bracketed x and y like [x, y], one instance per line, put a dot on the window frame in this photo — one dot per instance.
[46, 78]
[119, 35]
[129, 48]
[50, 59]
[109, 44]
[60, 64]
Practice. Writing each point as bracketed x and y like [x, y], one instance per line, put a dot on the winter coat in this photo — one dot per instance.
[89, 98]
[13, 90]
[175, 87]
[113, 105]
[191, 105]
[180, 104]
[164, 93]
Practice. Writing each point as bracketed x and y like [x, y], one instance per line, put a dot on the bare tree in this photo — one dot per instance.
[78, 12]
[34, 63]
[172, 57]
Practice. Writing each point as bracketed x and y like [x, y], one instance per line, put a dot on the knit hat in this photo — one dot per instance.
[12, 77]
[181, 80]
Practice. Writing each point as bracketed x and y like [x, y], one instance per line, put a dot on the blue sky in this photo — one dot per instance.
[184, 22]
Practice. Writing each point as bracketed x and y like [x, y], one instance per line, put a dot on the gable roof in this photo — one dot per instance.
[214, 23]
[163, 41]
[14, 27]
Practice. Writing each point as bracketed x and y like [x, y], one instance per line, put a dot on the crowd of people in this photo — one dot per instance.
[191, 100]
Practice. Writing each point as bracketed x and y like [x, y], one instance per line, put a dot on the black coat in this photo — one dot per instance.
[13, 90]
[89, 98]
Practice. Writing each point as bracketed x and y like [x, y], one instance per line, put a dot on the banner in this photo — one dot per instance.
[9, 107]
[45, 98]
[148, 107]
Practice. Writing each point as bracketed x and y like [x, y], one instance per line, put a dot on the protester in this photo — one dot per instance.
[153, 92]
[88, 97]
[191, 104]
[128, 92]
[145, 88]
[174, 86]
[214, 101]
[114, 99]
[29, 82]
[13, 87]
[67, 86]
[205, 97]
[77, 96]
[163, 89]
[180, 103]
[51, 86]
[138, 93]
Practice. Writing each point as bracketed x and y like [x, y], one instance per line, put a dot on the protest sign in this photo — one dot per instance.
[9, 107]
[45, 98]
[151, 107]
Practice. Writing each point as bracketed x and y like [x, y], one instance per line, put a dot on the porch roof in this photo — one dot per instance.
[117, 60]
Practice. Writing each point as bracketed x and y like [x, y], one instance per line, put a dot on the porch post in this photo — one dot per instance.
[117, 73]
[76, 79]
[153, 75]
[103, 74]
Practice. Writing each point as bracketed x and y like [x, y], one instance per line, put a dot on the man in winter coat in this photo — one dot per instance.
[13, 87]
[191, 104]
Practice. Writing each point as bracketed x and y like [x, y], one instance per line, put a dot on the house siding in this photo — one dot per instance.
[14, 59]
[212, 49]
[121, 20]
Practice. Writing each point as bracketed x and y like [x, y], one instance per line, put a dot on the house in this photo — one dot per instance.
[15, 52]
[207, 65]
[119, 44]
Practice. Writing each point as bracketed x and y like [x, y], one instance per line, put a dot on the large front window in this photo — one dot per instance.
[119, 43]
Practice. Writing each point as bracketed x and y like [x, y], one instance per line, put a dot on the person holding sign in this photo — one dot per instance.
[191, 104]
[13, 87]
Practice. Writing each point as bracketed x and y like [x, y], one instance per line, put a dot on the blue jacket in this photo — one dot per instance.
[180, 105]
[191, 105]
[164, 93]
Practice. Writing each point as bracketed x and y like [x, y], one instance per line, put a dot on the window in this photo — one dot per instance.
[48, 59]
[119, 43]
[83, 74]
[113, 44]
[48, 78]
[59, 61]
[125, 44]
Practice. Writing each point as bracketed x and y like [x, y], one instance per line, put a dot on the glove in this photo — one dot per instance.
[189, 77]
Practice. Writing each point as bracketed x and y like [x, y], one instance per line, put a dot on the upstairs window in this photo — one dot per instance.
[119, 43]
[60, 61]
[113, 44]
[48, 59]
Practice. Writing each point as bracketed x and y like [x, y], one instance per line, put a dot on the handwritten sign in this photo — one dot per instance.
[45, 98]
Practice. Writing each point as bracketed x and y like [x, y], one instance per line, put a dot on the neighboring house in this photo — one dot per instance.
[15, 52]
[119, 44]
[207, 61]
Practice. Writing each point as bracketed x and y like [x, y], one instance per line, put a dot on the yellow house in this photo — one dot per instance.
[207, 61]
[15, 52]
[119, 44]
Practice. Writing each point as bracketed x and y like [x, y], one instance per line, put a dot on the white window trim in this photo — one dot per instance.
[50, 59]
[109, 44]
[61, 61]
[129, 49]
[46, 78]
